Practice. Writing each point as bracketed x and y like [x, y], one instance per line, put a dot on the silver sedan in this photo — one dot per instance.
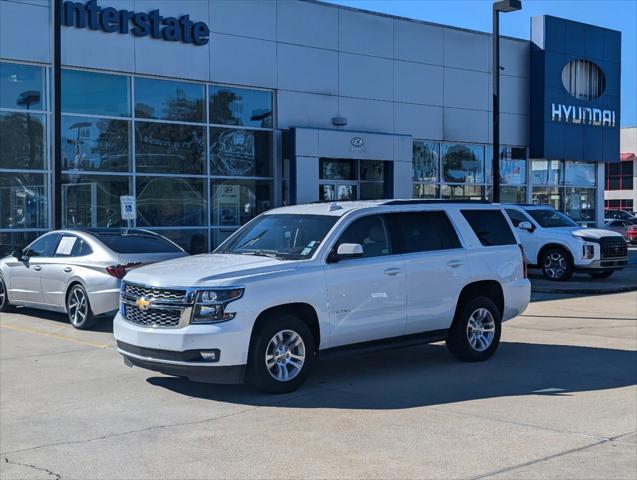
[78, 272]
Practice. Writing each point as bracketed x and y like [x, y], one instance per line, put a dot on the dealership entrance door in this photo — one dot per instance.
[331, 165]
[351, 179]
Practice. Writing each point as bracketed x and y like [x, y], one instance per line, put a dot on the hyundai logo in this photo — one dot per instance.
[357, 142]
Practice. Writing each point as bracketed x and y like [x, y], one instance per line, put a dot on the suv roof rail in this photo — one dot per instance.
[417, 201]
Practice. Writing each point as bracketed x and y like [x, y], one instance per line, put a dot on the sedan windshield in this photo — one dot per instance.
[551, 218]
[285, 236]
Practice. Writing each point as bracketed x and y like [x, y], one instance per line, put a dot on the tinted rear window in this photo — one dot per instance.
[490, 227]
[421, 232]
[136, 243]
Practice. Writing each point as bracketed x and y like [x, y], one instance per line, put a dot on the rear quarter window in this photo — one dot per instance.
[137, 243]
[490, 227]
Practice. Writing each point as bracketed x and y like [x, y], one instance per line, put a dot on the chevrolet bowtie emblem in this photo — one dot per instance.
[142, 303]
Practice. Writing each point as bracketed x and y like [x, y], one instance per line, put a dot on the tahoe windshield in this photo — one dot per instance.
[551, 218]
[284, 236]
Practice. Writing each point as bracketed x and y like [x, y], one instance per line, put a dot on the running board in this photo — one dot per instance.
[389, 343]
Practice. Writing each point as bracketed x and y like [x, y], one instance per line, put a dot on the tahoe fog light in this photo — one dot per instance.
[588, 251]
[210, 305]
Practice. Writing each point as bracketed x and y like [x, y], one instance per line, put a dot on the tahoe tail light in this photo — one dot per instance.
[525, 262]
[119, 271]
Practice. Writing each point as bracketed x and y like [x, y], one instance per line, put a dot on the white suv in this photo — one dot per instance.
[559, 246]
[300, 280]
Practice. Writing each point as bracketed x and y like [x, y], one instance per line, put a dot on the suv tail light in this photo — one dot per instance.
[525, 262]
[119, 271]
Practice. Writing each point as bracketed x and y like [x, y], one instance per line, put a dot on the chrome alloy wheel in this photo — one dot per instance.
[555, 265]
[78, 306]
[481, 329]
[285, 355]
[3, 294]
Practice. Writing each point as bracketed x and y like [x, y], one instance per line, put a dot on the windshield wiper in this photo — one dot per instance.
[261, 253]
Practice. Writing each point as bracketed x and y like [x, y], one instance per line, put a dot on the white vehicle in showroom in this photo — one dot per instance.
[300, 280]
[559, 246]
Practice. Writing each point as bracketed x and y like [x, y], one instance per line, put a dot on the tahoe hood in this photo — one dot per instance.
[209, 269]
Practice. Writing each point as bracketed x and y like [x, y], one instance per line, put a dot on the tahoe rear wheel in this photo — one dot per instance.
[281, 355]
[78, 308]
[602, 274]
[475, 333]
[557, 265]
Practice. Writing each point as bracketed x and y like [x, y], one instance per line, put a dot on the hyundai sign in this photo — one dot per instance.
[575, 80]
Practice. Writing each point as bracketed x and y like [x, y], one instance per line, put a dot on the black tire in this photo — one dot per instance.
[5, 306]
[459, 340]
[557, 265]
[78, 308]
[259, 374]
[602, 274]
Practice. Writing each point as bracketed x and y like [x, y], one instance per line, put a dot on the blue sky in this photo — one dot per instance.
[476, 14]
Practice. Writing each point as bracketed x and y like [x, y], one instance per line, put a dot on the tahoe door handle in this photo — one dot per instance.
[455, 263]
[392, 271]
[68, 269]
[37, 268]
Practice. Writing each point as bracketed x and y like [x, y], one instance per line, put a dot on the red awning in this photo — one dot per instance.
[626, 157]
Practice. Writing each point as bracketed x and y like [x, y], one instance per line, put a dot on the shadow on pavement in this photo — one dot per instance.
[104, 322]
[428, 375]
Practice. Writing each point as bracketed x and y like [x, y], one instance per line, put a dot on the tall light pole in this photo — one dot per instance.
[503, 6]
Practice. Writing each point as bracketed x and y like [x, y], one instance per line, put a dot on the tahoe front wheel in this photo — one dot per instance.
[282, 354]
[475, 333]
[557, 265]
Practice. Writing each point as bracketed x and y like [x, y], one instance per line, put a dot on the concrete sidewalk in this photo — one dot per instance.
[583, 284]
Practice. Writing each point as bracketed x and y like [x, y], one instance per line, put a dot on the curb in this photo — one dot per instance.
[585, 291]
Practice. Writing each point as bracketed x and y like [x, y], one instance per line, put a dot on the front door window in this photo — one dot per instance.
[348, 179]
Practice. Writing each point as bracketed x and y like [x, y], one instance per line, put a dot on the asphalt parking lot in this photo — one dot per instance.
[558, 400]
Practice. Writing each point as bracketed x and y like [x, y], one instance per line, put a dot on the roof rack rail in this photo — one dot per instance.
[417, 201]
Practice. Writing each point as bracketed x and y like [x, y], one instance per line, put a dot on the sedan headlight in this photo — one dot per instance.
[210, 305]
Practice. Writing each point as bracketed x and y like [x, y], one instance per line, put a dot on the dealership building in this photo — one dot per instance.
[210, 112]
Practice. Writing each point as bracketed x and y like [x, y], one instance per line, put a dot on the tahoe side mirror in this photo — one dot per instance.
[349, 250]
[526, 226]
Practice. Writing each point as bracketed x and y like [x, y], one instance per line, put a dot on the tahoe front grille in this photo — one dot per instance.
[155, 293]
[613, 247]
[152, 317]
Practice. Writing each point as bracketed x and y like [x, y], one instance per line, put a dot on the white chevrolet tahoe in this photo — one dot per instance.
[300, 280]
[559, 246]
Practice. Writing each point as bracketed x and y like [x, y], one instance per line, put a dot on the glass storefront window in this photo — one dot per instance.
[243, 153]
[512, 165]
[22, 140]
[579, 204]
[337, 169]
[22, 86]
[23, 200]
[509, 194]
[372, 190]
[95, 93]
[426, 161]
[546, 172]
[547, 196]
[95, 144]
[169, 100]
[169, 148]
[424, 190]
[372, 170]
[171, 201]
[92, 200]
[235, 202]
[579, 173]
[240, 106]
[194, 241]
[220, 235]
[462, 192]
[9, 241]
[462, 163]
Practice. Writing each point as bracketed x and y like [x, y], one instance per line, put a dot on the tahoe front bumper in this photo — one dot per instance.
[214, 353]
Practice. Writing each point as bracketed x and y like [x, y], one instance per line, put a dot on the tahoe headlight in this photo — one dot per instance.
[210, 305]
